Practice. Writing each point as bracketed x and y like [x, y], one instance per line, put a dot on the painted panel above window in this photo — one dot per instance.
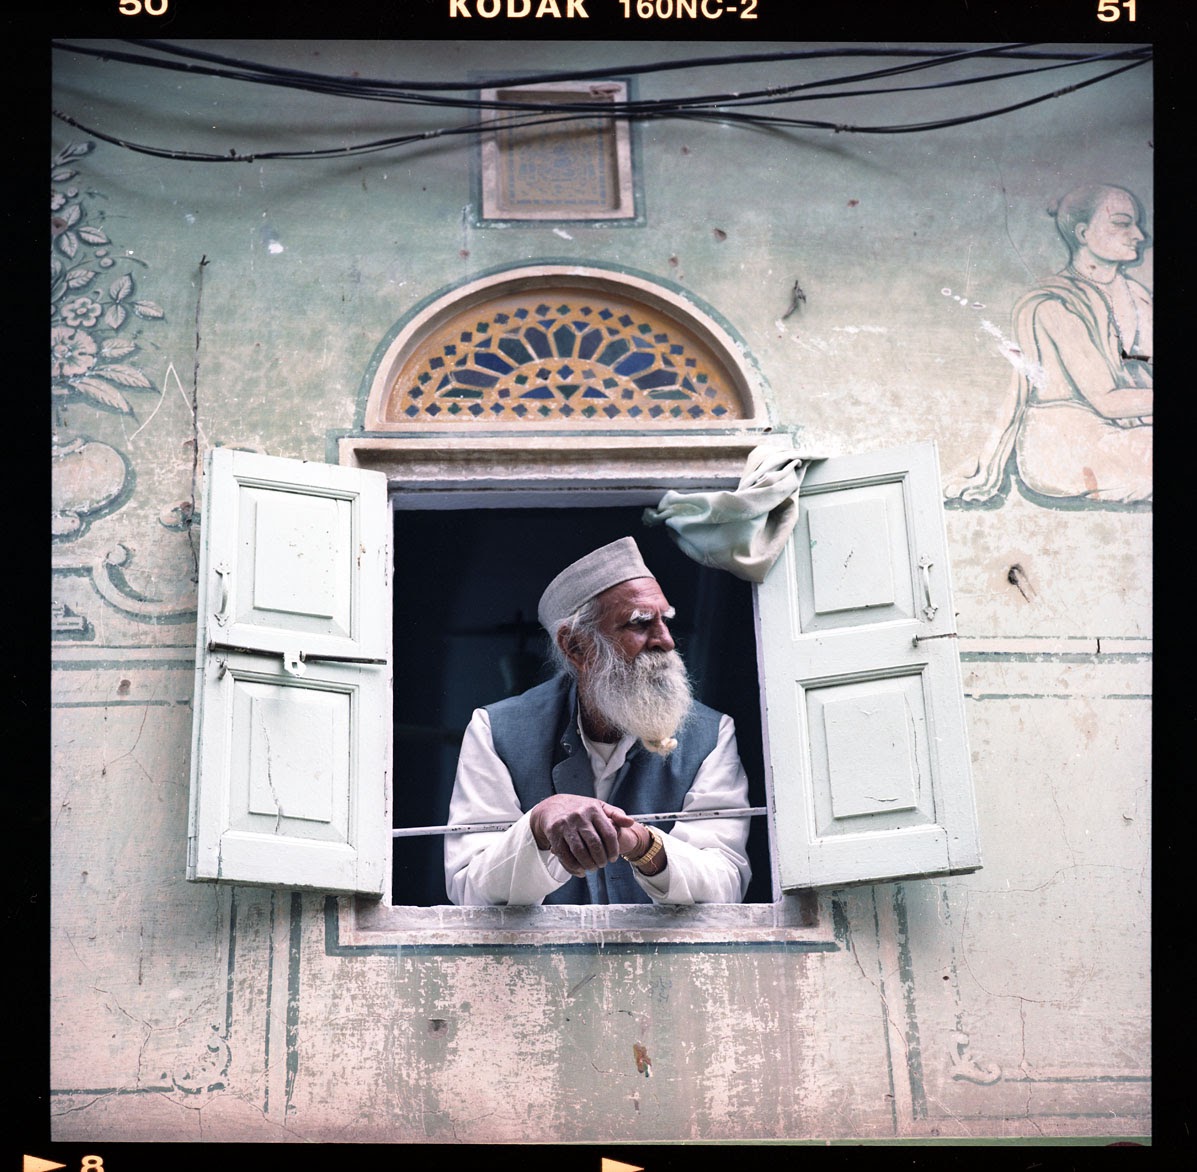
[544, 157]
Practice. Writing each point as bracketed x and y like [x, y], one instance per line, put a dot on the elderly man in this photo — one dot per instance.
[572, 762]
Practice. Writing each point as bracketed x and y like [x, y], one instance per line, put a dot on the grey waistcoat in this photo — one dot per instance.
[536, 737]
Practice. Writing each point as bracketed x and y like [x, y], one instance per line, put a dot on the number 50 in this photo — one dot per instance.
[154, 7]
[1107, 10]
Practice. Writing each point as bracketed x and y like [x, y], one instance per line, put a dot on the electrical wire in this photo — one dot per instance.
[914, 127]
[379, 90]
[784, 94]
[1024, 50]
[723, 107]
[315, 152]
[376, 89]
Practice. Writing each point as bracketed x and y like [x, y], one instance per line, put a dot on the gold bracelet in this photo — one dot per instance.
[655, 848]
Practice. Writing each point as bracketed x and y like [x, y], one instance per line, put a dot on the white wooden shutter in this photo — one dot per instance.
[292, 719]
[864, 713]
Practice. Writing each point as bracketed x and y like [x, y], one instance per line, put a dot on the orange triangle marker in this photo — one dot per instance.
[616, 1166]
[37, 1164]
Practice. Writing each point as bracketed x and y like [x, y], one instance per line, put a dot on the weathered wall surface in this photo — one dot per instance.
[240, 304]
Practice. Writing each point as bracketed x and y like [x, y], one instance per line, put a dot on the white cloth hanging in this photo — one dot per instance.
[741, 530]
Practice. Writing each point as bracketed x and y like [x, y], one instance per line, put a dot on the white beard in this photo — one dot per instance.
[647, 698]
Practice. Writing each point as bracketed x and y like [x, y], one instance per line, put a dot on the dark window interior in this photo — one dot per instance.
[467, 582]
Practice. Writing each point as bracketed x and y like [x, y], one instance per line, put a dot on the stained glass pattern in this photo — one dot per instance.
[529, 358]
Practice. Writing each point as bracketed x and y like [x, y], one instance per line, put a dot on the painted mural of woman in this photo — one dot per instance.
[1077, 418]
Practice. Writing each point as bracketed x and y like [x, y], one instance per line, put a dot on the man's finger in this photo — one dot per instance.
[599, 841]
[589, 842]
[618, 816]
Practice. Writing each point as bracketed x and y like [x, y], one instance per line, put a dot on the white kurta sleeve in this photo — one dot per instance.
[708, 861]
[503, 867]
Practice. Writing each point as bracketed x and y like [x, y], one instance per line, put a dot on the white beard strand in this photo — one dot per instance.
[648, 698]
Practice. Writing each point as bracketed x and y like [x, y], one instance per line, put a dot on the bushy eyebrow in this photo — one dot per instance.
[646, 616]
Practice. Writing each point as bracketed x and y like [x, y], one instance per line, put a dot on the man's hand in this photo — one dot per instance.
[584, 833]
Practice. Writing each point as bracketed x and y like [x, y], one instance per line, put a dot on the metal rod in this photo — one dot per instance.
[304, 656]
[481, 827]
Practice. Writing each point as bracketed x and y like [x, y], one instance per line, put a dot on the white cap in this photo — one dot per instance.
[588, 576]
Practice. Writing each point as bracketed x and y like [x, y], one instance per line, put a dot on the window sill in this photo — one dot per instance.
[803, 919]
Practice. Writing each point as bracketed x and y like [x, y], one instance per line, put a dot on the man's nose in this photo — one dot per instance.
[659, 637]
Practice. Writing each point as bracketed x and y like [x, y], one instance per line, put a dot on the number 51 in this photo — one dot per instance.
[1107, 10]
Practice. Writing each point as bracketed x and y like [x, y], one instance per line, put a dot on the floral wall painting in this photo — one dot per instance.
[1075, 425]
[96, 384]
[93, 351]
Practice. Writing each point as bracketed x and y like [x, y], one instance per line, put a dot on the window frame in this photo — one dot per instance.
[497, 471]
[789, 916]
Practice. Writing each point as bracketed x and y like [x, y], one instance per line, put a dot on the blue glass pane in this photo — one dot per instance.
[613, 352]
[590, 343]
[475, 378]
[657, 378]
[564, 339]
[492, 361]
[634, 364]
[516, 350]
[539, 342]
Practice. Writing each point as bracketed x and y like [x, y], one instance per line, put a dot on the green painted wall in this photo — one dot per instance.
[1010, 1002]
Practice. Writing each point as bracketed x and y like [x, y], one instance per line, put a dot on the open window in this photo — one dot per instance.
[840, 669]
[467, 582]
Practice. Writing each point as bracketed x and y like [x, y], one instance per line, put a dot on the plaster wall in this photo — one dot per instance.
[1013, 1001]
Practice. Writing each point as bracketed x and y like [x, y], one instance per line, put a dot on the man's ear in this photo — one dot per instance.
[573, 647]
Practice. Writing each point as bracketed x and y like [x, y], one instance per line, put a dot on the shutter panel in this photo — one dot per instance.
[292, 720]
[864, 711]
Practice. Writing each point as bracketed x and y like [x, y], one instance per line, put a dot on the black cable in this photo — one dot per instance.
[372, 89]
[772, 96]
[565, 75]
[723, 107]
[712, 115]
[909, 128]
[315, 152]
